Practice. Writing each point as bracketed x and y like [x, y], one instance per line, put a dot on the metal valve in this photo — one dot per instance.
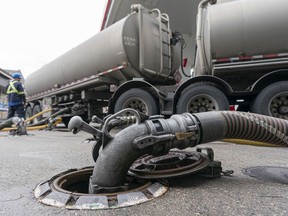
[76, 124]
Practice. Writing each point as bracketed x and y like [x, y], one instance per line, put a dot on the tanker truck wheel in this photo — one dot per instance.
[28, 113]
[139, 100]
[202, 98]
[36, 109]
[65, 121]
[272, 101]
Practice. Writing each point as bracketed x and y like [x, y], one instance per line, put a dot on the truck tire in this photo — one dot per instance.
[28, 113]
[65, 121]
[202, 98]
[139, 100]
[36, 109]
[272, 101]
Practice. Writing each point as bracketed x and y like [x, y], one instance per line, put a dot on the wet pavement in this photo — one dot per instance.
[26, 161]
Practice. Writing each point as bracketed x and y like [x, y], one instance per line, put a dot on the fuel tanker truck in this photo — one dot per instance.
[241, 58]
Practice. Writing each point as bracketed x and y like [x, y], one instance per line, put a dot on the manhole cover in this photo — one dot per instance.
[268, 173]
[173, 164]
[69, 189]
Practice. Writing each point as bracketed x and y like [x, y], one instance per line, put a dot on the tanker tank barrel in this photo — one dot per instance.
[118, 46]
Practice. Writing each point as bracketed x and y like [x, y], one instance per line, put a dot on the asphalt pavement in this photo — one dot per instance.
[26, 161]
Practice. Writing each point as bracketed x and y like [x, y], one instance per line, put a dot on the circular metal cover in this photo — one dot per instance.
[268, 173]
[173, 164]
[69, 189]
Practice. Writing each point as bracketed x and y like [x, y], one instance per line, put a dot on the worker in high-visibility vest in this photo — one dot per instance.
[16, 97]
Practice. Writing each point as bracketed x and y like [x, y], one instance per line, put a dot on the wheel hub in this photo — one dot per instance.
[283, 110]
[137, 104]
[279, 106]
[202, 109]
[201, 103]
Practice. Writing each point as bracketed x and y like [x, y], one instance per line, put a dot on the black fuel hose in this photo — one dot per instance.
[44, 121]
[118, 155]
[9, 122]
[242, 125]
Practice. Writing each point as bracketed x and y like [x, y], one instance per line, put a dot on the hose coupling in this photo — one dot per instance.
[20, 127]
[180, 132]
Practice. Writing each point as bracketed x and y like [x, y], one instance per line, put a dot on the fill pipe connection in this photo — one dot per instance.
[156, 136]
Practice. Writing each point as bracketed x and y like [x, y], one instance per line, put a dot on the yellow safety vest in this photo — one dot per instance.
[11, 88]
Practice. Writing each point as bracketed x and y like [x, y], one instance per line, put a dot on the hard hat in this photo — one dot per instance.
[16, 75]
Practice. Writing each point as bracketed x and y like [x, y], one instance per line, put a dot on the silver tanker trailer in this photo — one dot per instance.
[241, 59]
